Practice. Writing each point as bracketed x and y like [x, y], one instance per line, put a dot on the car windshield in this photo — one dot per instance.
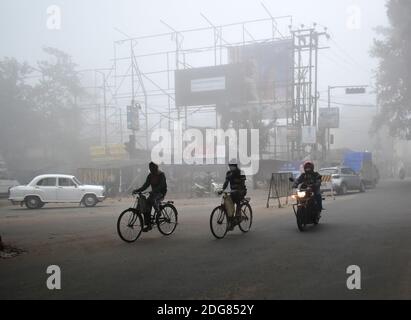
[328, 172]
[77, 181]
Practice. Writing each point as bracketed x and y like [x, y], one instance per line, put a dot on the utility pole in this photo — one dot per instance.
[104, 87]
[121, 126]
[361, 89]
[305, 87]
[105, 113]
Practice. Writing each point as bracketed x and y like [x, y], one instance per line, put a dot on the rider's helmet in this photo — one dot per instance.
[309, 167]
[153, 168]
[233, 165]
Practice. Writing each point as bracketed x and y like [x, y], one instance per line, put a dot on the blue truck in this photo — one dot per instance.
[362, 164]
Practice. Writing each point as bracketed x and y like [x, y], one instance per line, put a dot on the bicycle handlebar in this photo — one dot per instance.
[141, 193]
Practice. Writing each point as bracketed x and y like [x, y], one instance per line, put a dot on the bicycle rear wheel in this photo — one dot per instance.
[219, 223]
[246, 218]
[167, 220]
[130, 225]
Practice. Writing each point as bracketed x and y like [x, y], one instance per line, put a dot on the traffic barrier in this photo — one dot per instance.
[327, 185]
[280, 187]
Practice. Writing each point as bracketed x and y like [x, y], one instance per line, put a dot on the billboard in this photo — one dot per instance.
[309, 135]
[210, 85]
[329, 118]
[269, 71]
[259, 76]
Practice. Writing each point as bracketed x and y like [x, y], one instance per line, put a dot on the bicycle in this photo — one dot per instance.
[220, 222]
[131, 222]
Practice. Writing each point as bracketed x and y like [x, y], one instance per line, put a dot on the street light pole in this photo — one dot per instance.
[105, 113]
[330, 88]
[328, 129]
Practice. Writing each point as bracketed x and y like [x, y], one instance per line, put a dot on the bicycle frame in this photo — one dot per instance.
[153, 214]
[238, 206]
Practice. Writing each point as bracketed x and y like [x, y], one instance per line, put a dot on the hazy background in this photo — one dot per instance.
[88, 31]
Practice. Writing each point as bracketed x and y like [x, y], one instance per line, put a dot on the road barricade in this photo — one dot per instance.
[280, 187]
[327, 188]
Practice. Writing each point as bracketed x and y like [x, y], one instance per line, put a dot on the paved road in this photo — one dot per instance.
[274, 261]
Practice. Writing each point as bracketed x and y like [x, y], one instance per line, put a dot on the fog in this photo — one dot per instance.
[87, 31]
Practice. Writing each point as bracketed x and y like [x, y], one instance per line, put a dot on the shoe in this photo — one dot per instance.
[147, 228]
[231, 224]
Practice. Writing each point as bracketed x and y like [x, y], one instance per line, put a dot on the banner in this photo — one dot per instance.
[269, 71]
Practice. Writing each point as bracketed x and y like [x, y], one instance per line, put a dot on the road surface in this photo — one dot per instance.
[274, 261]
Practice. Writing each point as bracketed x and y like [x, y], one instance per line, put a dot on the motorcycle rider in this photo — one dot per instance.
[311, 179]
[158, 182]
[236, 179]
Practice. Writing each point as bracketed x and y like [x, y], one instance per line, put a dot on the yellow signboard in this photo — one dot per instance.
[113, 152]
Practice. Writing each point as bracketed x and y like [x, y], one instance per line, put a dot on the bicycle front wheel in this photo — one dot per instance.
[246, 219]
[130, 226]
[167, 220]
[219, 223]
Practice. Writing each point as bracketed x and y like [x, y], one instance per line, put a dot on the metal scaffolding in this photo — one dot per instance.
[306, 96]
[143, 69]
[144, 66]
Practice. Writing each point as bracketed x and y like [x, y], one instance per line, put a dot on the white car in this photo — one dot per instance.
[55, 188]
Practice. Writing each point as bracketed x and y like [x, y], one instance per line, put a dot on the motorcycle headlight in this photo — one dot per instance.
[301, 194]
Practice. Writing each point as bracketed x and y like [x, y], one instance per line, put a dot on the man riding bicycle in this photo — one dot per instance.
[157, 180]
[236, 179]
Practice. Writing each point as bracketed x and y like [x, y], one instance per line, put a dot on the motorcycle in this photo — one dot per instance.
[200, 191]
[307, 210]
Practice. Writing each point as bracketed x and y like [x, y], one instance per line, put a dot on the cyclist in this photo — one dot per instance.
[158, 182]
[236, 179]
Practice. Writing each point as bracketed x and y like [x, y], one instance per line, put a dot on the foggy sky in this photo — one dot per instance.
[88, 30]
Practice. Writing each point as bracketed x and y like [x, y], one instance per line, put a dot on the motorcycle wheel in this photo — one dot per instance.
[301, 220]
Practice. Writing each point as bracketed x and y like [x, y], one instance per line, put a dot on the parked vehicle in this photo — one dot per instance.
[54, 188]
[362, 164]
[344, 179]
[205, 186]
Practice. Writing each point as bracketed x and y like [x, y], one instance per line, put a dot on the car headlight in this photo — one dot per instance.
[301, 194]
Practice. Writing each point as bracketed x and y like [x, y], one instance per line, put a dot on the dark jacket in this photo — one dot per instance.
[311, 179]
[236, 180]
[157, 182]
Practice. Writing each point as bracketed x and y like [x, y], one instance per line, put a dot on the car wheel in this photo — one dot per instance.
[33, 203]
[90, 200]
